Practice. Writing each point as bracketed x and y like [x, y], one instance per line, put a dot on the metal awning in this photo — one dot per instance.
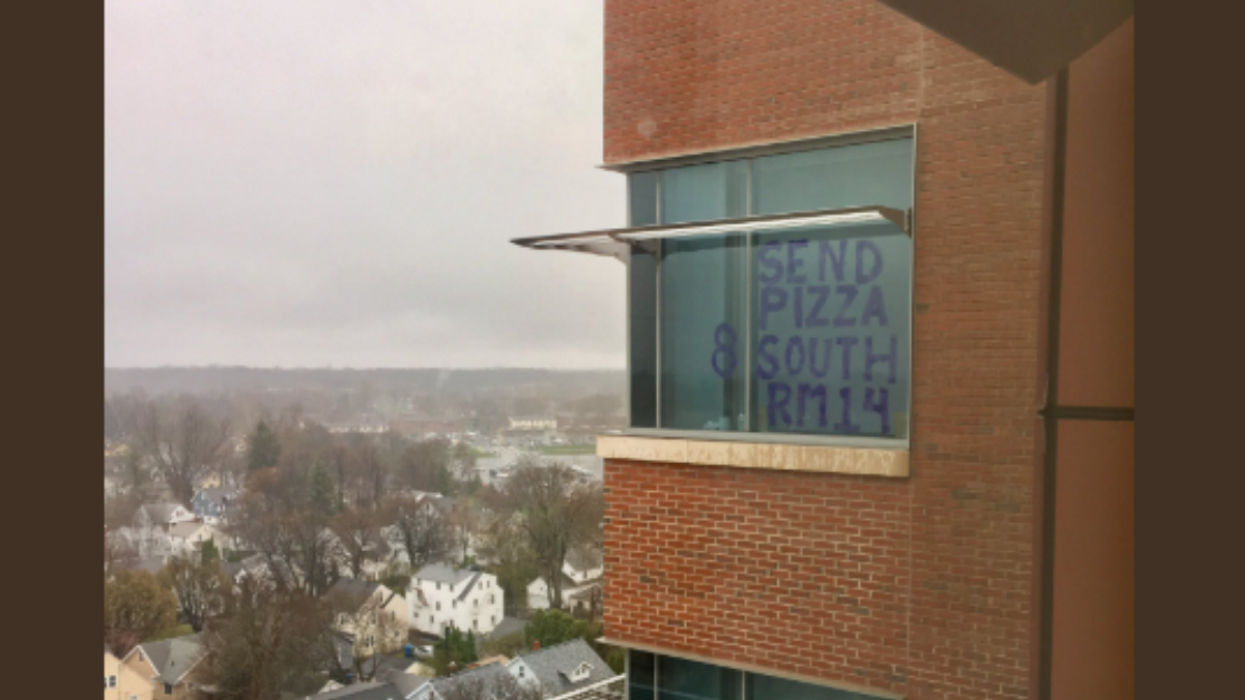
[616, 243]
[1032, 39]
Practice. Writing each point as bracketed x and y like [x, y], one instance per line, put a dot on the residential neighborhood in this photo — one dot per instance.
[382, 583]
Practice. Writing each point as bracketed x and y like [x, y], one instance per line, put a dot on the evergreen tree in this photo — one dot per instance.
[262, 448]
[323, 491]
[550, 627]
[209, 552]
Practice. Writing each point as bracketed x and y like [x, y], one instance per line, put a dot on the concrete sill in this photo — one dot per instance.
[868, 461]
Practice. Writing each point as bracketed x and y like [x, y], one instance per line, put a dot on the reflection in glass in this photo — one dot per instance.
[688, 680]
[702, 332]
[642, 286]
[640, 668]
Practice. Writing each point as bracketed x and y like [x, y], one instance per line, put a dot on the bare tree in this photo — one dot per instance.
[200, 588]
[503, 543]
[556, 512]
[181, 441]
[420, 529]
[276, 519]
[368, 472]
[358, 529]
[270, 643]
[118, 553]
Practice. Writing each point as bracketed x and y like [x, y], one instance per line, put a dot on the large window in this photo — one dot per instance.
[655, 677]
[780, 322]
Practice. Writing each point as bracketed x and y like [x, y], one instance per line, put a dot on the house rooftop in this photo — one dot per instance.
[470, 585]
[218, 494]
[363, 691]
[554, 665]
[507, 627]
[159, 512]
[406, 683]
[487, 674]
[173, 658]
[354, 587]
[444, 574]
[185, 529]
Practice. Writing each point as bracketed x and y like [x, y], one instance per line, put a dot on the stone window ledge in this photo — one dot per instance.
[832, 459]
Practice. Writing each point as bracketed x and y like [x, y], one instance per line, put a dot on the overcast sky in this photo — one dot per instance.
[314, 183]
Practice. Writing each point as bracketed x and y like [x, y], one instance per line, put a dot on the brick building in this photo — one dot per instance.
[880, 350]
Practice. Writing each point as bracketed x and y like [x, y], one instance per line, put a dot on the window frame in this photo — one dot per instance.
[744, 676]
[750, 154]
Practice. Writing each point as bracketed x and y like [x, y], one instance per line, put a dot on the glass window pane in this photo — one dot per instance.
[704, 192]
[689, 680]
[642, 188]
[702, 332]
[768, 687]
[640, 675]
[831, 330]
[849, 176]
[642, 287]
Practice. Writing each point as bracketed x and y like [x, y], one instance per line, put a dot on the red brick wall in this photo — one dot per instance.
[957, 536]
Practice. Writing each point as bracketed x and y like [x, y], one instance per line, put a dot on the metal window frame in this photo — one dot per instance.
[745, 672]
[625, 242]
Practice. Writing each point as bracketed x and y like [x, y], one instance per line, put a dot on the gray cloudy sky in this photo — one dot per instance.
[311, 183]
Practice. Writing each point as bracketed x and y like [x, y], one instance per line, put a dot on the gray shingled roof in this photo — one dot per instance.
[159, 512]
[186, 529]
[354, 587]
[554, 665]
[406, 683]
[488, 674]
[507, 627]
[172, 658]
[363, 691]
[444, 574]
[470, 584]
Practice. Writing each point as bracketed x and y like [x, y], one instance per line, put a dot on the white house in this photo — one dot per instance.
[444, 597]
[580, 573]
[187, 538]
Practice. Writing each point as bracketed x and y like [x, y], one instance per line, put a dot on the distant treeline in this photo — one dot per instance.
[217, 379]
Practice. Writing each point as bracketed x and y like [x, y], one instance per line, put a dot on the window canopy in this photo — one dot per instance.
[616, 242]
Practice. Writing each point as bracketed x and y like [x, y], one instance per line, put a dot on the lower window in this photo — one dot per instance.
[655, 677]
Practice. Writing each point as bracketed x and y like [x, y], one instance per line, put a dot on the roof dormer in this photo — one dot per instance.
[580, 673]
